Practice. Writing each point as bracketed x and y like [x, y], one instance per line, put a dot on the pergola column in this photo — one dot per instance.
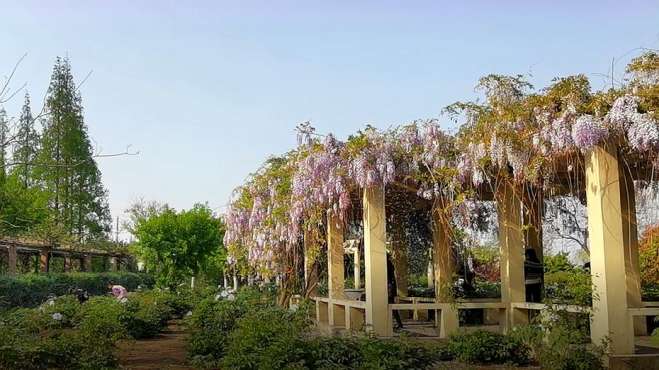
[310, 270]
[375, 260]
[443, 269]
[44, 260]
[357, 268]
[12, 260]
[511, 247]
[335, 268]
[608, 257]
[67, 262]
[114, 265]
[630, 240]
[87, 262]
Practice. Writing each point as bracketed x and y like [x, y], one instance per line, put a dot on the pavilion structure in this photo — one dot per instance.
[45, 252]
[618, 313]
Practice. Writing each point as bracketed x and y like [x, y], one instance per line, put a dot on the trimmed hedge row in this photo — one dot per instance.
[33, 289]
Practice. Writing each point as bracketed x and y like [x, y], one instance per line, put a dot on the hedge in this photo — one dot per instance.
[33, 289]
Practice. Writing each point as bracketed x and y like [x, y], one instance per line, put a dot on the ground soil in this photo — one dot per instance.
[165, 351]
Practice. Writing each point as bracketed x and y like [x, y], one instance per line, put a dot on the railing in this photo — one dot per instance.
[350, 314]
[340, 313]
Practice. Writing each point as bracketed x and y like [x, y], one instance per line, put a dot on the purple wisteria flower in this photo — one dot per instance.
[588, 131]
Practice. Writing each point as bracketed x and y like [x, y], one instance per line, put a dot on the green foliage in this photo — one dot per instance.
[560, 340]
[211, 322]
[22, 209]
[557, 263]
[31, 290]
[484, 347]
[569, 287]
[267, 339]
[178, 245]
[85, 335]
[146, 314]
[367, 353]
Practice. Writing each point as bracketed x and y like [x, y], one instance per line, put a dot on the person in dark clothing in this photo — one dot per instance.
[392, 290]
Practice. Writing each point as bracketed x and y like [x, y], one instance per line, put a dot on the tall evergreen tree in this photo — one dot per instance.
[4, 141]
[26, 145]
[66, 165]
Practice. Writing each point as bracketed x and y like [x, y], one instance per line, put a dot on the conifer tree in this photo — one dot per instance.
[26, 145]
[66, 164]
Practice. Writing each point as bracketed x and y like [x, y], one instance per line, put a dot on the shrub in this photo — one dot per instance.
[29, 341]
[103, 317]
[569, 287]
[210, 323]
[66, 307]
[33, 289]
[560, 340]
[485, 347]
[268, 338]
[394, 354]
[333, 353]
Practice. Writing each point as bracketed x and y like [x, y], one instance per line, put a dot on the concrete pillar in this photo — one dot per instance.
[335, 268]
[430, 273]
[607, 251]
[87, 263]
[44, 260]
[630, 240]
[511, 247]
[443, 267]
[310, 270]
[357, 268]
[375, 257]
[12, 260]
[235, 282]
[335, 257]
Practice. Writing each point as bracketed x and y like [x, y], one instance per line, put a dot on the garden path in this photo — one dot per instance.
[165, 351]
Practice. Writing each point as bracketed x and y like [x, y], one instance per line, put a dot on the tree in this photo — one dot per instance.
[26, 145]
[4, 139]
[178, 245]
[65, 162]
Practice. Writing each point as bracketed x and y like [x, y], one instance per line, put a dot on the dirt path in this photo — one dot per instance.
[166, 351]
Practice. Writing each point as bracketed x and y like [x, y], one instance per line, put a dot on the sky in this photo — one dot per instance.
[207, 90]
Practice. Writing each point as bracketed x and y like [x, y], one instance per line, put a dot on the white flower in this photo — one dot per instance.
[123, 300]
[57, 316]
[189, 313]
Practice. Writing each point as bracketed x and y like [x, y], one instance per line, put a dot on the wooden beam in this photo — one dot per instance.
[375, 258]
[607, 251]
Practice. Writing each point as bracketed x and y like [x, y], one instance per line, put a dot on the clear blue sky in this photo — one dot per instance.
[207, 91]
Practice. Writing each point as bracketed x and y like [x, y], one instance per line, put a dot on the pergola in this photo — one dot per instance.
[617, 313]
[46, 251]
